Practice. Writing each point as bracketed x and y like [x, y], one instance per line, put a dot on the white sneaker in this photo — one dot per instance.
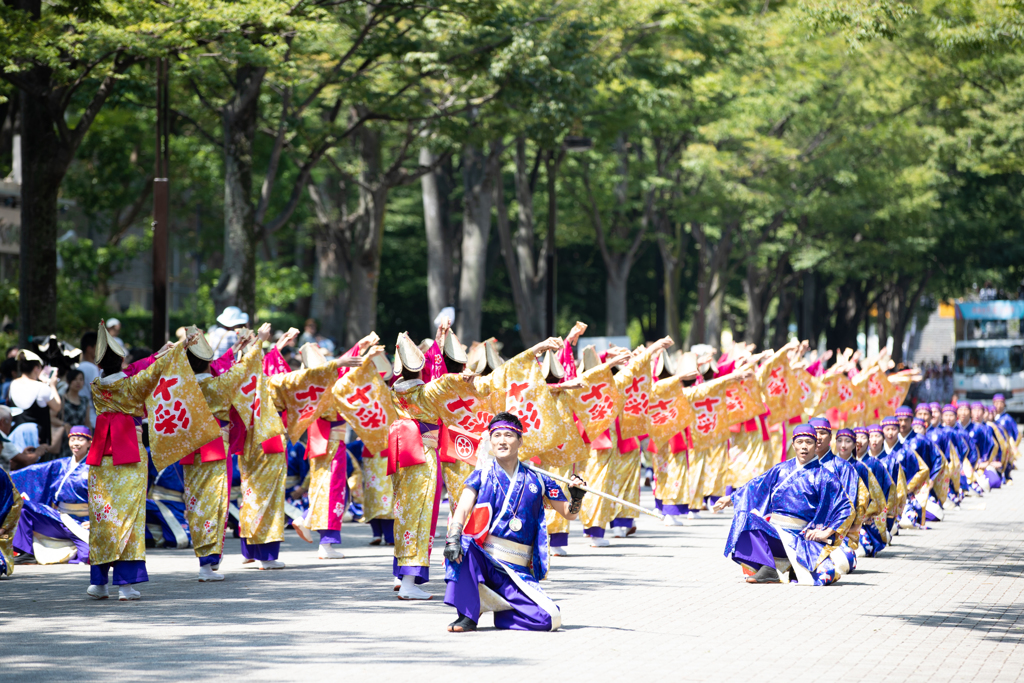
[98, 592]
[693, 514]
[271, 564]
[398, 584]
[327, 552]
[126, 592]
[596, 542]
[620, 531]
[413, 592]
[672, 520]
[558, 550]
[206, 573]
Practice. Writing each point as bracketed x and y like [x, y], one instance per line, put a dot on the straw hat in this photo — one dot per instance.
[105, 341]
[688, 366]
[484, 358]
[201, 349]
[551, 367]
[311, 355]
[408, 355]
[590, 358]
[380, 361]
[453, 349]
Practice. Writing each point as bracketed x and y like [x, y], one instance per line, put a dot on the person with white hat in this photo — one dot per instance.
[225, 335]
[119, 470]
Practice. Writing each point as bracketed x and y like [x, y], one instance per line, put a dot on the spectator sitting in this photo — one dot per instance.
[25, 438]
[12, 457]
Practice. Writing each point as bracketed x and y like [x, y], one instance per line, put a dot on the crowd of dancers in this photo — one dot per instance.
[821, 464]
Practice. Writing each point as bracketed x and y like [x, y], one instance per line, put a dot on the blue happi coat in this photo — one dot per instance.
[498, 501]
[808, 493]
[55, 482]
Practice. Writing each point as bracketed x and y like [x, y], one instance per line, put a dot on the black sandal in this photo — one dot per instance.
[462, 625]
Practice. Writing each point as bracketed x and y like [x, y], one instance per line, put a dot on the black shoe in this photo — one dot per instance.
[765, 574]
[462, 625]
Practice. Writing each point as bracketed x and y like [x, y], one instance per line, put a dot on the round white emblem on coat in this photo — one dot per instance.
[533, 487]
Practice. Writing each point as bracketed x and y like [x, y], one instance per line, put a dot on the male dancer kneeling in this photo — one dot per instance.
[497, 546]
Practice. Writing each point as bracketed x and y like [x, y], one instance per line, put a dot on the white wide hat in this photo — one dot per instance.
[233, 316]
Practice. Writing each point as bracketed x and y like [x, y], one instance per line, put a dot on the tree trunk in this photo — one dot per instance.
[477, 178]
[716, 307]
[851, 307]
[520, 298]
[41, 177]
[533, 270]
[437, 219]
[780, 333]
[364, 245]
[615, 298]
[756, 290]
[906, 299]
[237, 286]
[330, 291]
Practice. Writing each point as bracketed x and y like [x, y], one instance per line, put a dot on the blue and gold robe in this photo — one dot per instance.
[779, 505]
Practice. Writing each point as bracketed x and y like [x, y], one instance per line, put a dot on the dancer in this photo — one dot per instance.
[790, 519]
[496, 546]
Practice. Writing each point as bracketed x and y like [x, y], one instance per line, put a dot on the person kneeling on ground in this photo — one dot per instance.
[789, 519]
[496, 549]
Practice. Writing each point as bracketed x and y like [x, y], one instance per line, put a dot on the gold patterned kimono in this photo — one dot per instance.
[261, 517]
[716, 468]
[754, 460]
[117, 493]
[599, 475]
[207, 483]
[573, 451]
[8, 525]
[416, 492]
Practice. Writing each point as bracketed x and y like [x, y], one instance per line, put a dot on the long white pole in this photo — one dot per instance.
[599, 494]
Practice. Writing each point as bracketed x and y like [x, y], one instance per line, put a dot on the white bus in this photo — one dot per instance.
[990, 353]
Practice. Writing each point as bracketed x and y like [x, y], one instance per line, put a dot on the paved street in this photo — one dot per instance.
[663, 605]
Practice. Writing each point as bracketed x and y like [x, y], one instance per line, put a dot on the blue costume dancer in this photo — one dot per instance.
[55, 518]
[933, 491]
[845, 558]
[791, 518]
[874, 537]
[166, 525]
[496, 550]
[10, 512]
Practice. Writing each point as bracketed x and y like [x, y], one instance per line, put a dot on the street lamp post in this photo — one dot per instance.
[161, 199]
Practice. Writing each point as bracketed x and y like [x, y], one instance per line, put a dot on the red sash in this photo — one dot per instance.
[405, 445]
[276, 444]
[211, 452]
[626, 445]
[318, 434]
[115, 435]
